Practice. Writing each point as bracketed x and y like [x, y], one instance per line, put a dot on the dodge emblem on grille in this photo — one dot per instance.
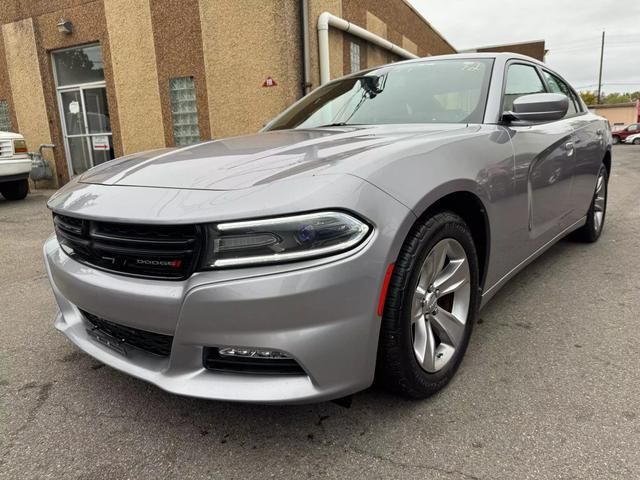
[159, 263]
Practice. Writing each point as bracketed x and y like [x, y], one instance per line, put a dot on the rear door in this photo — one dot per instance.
[544, 160]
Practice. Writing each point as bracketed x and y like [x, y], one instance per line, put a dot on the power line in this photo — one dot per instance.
[592, 47]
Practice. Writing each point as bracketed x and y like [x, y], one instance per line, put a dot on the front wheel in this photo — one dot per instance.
[430, 308]
[592, 229]
[616, 140]
[16, 190]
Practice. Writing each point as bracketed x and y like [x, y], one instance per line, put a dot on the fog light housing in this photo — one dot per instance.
[250, 360]
[246, 352]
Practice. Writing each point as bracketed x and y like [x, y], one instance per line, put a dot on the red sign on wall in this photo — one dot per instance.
[270, 82]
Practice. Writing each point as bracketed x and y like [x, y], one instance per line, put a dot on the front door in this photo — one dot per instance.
[545, 160]
[84, 110]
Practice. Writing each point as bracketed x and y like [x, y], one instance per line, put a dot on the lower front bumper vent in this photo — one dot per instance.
[212, 360]
[150, 342]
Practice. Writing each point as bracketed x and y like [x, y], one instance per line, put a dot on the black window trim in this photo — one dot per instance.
[539, 69]
[578, 99]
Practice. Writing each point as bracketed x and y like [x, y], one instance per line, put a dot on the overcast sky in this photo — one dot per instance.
[571, 28]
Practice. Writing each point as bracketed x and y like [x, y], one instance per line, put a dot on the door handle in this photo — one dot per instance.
[570, 148]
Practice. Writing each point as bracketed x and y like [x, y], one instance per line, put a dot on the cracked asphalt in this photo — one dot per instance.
[549, 389]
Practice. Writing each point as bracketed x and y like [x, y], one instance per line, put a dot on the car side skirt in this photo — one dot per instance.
[491, 291]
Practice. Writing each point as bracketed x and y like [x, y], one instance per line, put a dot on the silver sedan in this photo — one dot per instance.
[354, 239]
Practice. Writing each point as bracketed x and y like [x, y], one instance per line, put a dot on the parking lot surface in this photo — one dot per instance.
[549, 388]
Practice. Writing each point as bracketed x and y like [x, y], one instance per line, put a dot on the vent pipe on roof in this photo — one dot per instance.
[326, 20]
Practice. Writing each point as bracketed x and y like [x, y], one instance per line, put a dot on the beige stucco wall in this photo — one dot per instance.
[26, 84]
[376, 55]
[618, 115]
[410, 46]
[242, 47]
[135, 74]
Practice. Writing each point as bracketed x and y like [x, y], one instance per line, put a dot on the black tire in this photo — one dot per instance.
[590, 232]
[16, 190]
[397, 368]
[616, 140]
[636, 141]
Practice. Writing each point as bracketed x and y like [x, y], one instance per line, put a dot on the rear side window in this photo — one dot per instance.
[521, 80]
[558, 86]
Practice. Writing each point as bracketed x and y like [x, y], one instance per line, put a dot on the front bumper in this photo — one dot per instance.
[15, 167]
[322, 313]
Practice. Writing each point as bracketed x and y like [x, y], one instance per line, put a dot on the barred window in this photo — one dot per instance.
[354, 55]
[184, 111]
[5, 117]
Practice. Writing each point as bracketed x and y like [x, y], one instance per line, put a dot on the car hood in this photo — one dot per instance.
[253, 160]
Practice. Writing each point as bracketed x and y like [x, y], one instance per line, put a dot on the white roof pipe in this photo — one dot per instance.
[326, 20]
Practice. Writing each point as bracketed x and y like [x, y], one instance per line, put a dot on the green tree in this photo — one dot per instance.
[613, 98]
[590, 98]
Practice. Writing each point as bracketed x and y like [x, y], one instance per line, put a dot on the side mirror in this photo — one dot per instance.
[539, 107]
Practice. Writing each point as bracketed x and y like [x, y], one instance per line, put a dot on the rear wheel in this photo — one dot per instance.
[430, 308]
[636, 141]
[16, 190]
[592, 230]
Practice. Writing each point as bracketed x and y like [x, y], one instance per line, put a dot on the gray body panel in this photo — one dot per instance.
[532, 186]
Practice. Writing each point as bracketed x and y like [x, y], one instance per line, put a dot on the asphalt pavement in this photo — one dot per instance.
[549, 389]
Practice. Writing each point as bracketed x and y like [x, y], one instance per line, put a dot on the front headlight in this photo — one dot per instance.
[282, 239]
[19, 146]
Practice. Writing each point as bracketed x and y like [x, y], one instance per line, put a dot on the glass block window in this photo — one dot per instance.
[354, 55]
[5, 117]
[184, 111]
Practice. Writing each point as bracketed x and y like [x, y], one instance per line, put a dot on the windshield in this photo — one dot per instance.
[441, 91]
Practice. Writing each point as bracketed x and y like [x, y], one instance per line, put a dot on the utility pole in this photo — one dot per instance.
[600, 78]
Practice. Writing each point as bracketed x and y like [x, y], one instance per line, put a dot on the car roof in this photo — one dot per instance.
[504, 56]
[479, 55]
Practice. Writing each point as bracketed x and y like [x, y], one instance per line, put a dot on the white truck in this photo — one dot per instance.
[15, 166]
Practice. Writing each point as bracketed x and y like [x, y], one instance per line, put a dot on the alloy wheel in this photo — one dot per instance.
[441, 305]
[599, 202]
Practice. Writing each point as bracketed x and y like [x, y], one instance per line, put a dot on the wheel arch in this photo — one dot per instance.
[470, 207]
[607, 162]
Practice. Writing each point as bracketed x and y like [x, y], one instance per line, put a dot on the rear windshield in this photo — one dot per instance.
[440, 91]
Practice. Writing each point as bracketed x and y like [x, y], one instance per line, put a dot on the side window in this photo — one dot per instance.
[521, 80]
[558, 86]
[633, 128]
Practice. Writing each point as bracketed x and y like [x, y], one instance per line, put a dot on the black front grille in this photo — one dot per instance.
[152, 251]
[155, 343]
[212, 360]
